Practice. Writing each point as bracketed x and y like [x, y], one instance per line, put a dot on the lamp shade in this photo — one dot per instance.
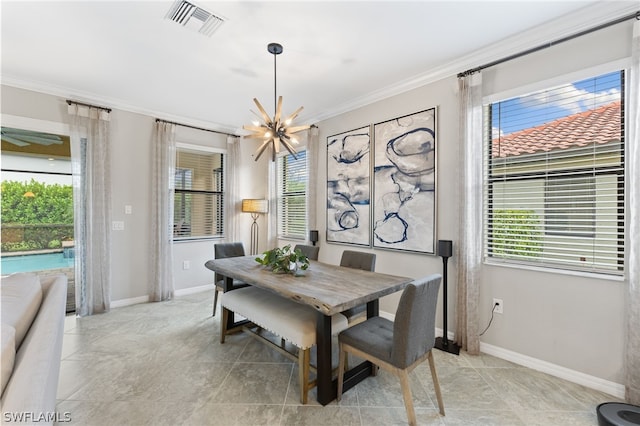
[250, 205]
[445, 248]
[313, 236]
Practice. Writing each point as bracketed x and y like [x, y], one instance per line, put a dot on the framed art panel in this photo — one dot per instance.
[404, 188]
[349, 187]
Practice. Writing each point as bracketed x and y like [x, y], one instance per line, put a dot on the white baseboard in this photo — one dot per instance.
[592, 382]
[131, 301]
[192, 290]
[606, 386]
[144, 299]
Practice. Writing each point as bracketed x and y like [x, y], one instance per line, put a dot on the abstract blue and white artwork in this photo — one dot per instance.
[349, 187]
[404, 188]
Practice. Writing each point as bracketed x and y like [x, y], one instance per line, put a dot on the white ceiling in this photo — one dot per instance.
[337, 55]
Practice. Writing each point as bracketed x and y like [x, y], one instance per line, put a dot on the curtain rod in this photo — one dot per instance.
[552, 43]
[69, 102]
[197, 128]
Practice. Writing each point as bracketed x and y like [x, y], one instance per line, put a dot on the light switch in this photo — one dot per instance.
[128, 209]
[117, 225]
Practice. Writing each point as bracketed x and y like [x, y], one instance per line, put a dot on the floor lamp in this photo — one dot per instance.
[445, 250]
[255, 207]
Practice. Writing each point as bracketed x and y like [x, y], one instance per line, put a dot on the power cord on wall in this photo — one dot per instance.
[493, 310]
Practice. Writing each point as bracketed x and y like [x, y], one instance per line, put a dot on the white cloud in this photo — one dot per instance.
[570, 98]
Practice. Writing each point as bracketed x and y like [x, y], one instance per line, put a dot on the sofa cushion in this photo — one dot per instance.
[21, 298]
[8, 354]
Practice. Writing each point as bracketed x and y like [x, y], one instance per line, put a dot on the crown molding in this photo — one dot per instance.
[591, 16]
[586, 18]
[92, 98]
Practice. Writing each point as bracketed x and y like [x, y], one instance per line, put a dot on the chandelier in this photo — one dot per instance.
[277, 131]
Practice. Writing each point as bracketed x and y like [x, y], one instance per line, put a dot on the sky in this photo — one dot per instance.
[535, 109]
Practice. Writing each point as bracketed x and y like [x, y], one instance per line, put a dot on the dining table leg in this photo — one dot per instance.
[326, 388]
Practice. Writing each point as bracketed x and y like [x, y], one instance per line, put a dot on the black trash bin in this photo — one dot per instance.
[618, 414]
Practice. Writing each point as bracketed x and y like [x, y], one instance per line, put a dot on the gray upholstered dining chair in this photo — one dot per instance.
[401, 345]
[310, 251]
[357, 260]
[221, 251]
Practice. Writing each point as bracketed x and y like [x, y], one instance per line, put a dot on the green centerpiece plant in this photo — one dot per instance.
[284, 260]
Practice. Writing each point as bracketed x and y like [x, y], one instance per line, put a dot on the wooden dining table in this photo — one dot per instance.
[329, 289]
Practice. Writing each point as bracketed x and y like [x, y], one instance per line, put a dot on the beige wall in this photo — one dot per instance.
[571, 321]
[130, 172]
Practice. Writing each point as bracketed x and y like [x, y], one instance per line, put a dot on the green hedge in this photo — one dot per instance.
[39, 222]
[516, 233]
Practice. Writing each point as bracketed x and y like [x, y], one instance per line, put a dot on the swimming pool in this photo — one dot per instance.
[34, 262]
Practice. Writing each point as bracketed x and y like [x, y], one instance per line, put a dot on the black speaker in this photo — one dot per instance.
[445, 248]
[313, 237]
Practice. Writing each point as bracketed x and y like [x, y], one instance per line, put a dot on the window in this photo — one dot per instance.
[554, 177]
[198, 209]
[570, 206]
[292, 196]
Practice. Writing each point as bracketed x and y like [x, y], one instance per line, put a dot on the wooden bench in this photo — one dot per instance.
[293, 322]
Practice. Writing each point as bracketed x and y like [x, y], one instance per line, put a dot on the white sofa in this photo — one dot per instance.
[33, 311]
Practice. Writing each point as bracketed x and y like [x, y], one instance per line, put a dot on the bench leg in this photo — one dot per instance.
[223, 325]
[215, 299]
[303, 373]
[342, 357]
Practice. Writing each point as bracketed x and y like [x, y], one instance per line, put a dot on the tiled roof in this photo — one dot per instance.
[599, 126]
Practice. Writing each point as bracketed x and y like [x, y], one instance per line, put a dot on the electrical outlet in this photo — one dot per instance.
[498, 305]
[186, 264]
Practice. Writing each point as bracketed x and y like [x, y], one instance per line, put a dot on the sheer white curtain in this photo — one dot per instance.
[91, 163]
[313, 154]
[163, 154]
[632, 243]
[469, 247]
[232, 172]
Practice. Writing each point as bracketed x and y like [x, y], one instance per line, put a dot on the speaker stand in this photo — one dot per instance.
[443, 342]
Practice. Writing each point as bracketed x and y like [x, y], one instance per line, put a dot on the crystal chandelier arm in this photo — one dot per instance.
[265, 116]
[276, 143]
[255, 129]
[289, 147]
[261, 149]
[255, 136]
[296, 129]
[256, 114]
[290, 118]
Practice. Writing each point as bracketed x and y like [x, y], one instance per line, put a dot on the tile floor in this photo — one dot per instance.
[162, 364]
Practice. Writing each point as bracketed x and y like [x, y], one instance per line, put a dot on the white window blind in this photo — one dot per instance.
[292, 196]
[554, 177]
[199, 194]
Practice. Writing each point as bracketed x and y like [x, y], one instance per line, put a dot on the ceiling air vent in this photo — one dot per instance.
[193, 17]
